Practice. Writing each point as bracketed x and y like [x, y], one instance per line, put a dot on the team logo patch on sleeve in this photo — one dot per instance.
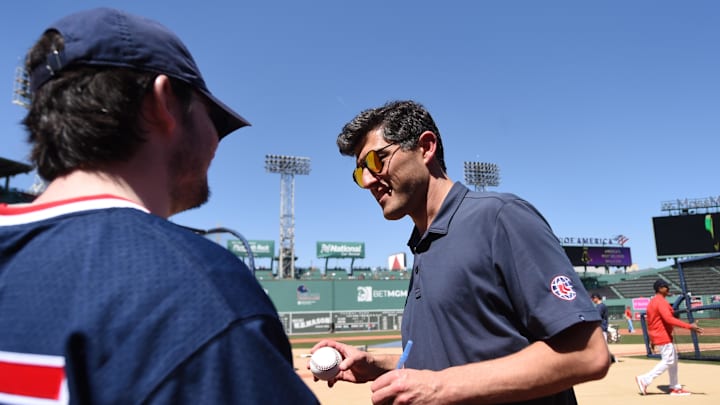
[561, 287]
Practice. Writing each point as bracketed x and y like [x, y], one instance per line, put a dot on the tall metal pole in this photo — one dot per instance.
[481, 175]
[288, 167]
[21, 88]
[287, 225]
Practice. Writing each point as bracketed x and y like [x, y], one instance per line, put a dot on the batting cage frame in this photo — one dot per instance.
[246, 244]
[695, 349]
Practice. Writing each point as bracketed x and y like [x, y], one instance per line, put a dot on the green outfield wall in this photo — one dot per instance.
[318, 306]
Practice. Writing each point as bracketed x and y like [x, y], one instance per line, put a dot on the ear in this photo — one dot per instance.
[427, 143]
[160, 107]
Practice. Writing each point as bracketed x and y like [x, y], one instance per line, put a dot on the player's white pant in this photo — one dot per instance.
[668, 362]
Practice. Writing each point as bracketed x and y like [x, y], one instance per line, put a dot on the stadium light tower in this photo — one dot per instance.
[21, 88]
[288, 167]
[482, 175]
[21, 96]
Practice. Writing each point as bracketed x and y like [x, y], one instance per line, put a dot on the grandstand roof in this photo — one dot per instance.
[10, 167]
[709, 260]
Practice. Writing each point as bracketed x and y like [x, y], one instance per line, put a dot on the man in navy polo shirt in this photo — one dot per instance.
[495, 311]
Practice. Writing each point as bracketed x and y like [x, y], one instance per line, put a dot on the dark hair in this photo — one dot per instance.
[595, 295]
[402, 122]
[86, 116]
[659, 283]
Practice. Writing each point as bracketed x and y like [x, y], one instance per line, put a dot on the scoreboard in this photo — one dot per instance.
[686, 235]
[598, 256]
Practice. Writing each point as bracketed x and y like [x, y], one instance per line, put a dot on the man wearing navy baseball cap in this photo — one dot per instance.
[111, 38]
[105, 300]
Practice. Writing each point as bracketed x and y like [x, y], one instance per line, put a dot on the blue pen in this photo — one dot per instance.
[405, 354]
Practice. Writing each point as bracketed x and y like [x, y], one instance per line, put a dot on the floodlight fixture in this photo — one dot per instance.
[482, 175]
[288, 167]
[287, 164]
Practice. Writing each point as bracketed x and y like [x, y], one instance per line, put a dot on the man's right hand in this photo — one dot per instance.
[357, 366]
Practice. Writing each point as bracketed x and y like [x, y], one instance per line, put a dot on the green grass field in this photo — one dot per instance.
[710, 337]
[356, 338]
[374, 338]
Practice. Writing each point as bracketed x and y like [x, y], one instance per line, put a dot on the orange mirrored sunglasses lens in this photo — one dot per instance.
[357, 176]
[373, 162]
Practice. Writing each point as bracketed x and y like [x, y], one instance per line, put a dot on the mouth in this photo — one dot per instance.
[382, 193]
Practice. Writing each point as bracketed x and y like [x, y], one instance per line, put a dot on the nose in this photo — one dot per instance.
[368, 177]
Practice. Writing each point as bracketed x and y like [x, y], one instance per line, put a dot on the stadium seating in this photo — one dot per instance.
[703, 280]
[606, 291]
[641, 286]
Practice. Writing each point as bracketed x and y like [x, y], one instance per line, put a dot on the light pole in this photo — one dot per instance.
[482, 175]
[21, 88]
[22, 97]
[288, 167]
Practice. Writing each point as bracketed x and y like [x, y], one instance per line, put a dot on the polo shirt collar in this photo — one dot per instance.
[441, 222]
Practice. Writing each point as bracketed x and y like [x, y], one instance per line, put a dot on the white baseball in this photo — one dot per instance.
[325, 363]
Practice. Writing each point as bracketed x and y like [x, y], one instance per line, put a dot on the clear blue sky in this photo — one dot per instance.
[595, 112]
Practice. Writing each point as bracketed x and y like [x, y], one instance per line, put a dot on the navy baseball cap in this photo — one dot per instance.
[660, 283]
[113, 38]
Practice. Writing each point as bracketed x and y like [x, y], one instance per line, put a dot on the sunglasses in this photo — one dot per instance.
[373, 162]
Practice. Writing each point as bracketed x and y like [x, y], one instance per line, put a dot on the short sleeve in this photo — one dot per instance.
[545, 290]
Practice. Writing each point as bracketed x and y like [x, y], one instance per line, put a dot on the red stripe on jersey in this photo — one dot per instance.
[10, 209]
[36, 381]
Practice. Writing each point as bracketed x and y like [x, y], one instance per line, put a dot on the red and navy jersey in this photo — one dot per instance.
[102, 302]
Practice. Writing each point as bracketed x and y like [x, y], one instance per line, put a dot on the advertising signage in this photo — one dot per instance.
[341, 250]
[686, 235]
[260, 248]
[598, 256]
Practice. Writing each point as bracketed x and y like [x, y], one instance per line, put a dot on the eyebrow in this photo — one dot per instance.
[379, 151]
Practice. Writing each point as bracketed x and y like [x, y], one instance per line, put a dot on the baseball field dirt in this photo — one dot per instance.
[618, 387]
